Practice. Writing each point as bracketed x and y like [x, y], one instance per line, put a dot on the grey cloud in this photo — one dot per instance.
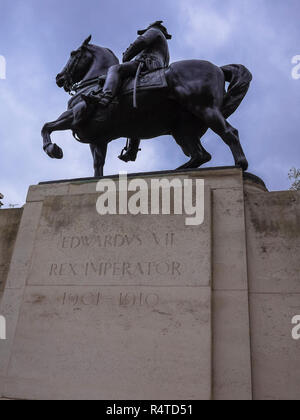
[36, 37]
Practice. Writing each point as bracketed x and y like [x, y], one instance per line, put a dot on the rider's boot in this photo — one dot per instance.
[130, 152]
[98, 97]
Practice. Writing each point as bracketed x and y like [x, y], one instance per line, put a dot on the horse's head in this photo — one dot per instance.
[77, 66]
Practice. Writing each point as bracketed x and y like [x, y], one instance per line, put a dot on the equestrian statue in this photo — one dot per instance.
[146, 97]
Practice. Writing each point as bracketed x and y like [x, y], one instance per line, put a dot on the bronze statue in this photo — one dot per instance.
[183, 99]
[149, 52]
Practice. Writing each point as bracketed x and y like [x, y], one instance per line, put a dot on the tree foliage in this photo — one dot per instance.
[294, 176]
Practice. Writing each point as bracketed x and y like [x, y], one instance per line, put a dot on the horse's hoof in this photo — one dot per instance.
[195, 162]
[243, 164]
[54, 151]
[206, 157]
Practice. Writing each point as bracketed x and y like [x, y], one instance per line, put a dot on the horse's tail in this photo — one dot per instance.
[239, 78]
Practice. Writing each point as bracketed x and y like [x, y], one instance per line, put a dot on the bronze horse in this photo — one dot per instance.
[194, 101]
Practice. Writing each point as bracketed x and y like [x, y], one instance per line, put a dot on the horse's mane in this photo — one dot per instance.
[95, 48]
[108, 49]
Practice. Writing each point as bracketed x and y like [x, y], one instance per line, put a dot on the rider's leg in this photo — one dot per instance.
[116, 74]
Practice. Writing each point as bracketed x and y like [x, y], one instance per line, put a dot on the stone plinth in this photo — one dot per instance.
[145, 307]
[273, 242]
[106, 306]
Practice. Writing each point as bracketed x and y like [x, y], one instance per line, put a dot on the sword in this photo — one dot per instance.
[135, 84]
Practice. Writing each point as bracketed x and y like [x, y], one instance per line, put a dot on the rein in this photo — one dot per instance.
[138, 72]
[85, 83]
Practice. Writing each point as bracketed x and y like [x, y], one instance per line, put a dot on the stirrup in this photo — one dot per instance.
[124, 150]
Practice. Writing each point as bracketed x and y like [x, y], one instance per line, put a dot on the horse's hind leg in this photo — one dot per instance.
[215, 121]
[189, 141]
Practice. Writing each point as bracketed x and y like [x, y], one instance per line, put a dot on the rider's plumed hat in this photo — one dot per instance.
[157, 24]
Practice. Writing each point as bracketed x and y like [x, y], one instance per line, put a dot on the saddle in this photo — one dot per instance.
[155, 79]
[146, 81]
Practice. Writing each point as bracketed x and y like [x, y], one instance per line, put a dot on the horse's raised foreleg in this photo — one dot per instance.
[64, 122]
[215, 120]
[99, 156]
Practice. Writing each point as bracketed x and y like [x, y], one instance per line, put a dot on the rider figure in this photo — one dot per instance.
[151, 50]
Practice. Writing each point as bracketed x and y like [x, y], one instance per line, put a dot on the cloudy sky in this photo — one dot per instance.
[36, 37]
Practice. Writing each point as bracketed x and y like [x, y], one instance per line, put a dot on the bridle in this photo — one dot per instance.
[71, 70]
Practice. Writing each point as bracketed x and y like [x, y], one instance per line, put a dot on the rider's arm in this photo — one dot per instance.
[141, 43]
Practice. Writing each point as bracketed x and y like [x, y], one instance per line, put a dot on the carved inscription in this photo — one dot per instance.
[123, 299]
[117, 241]
[103, 268]
[121, 269]
[114, 253]
[80, 249]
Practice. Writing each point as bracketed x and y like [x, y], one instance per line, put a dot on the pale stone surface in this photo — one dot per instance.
[91, 342]
[120, 307]
[231, 346]
[229, 268]
[276, 355]
[9, 224]
[39, 192]
[16, 280]
[113, 307]
[74, 245]
[231, 341]
[273, 237]
[20, 262]
[229, 177]
[10, 307]
[273, 243]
